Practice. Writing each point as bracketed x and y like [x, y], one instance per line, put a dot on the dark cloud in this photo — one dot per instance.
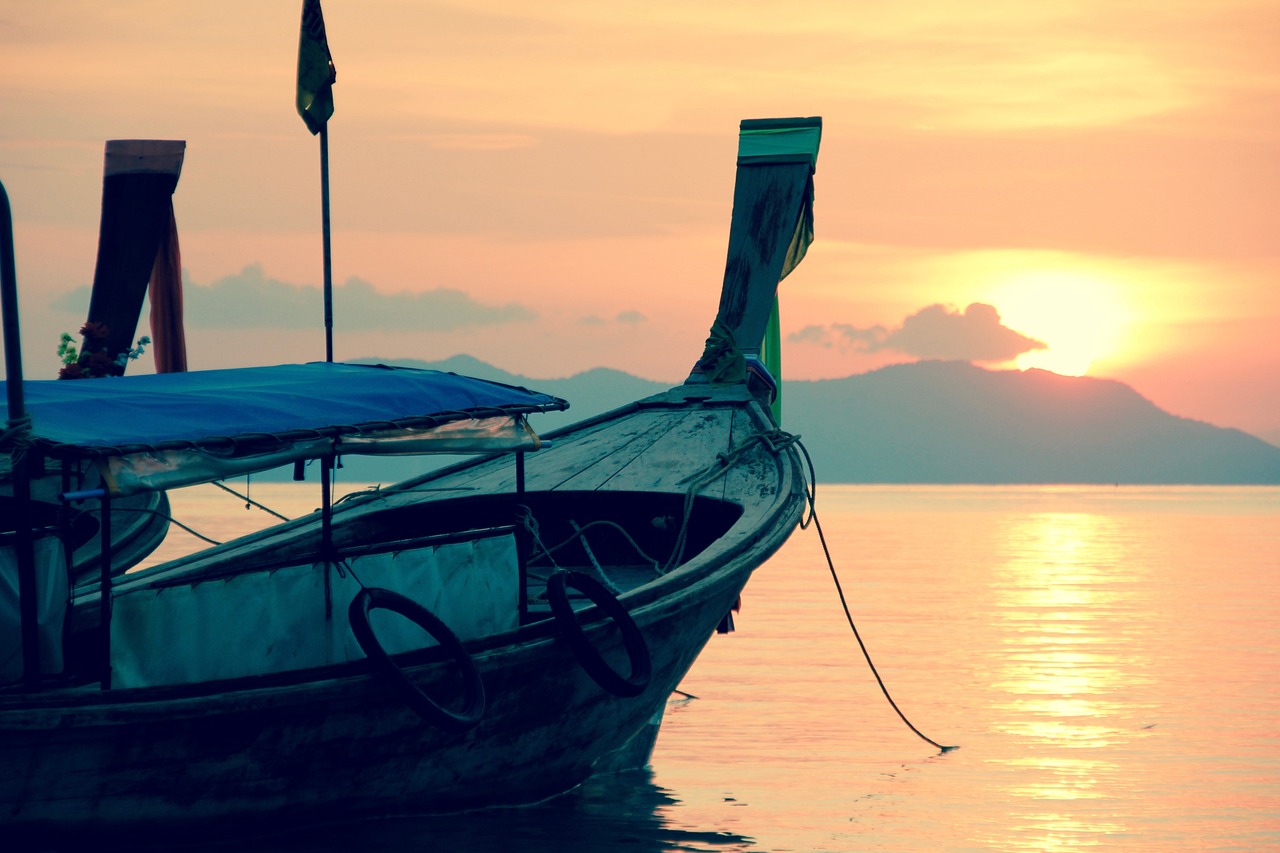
[631, 318]
[935, 332]
[251, 300]
[975, 335]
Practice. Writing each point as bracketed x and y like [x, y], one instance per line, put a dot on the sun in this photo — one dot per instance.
[1078, 316]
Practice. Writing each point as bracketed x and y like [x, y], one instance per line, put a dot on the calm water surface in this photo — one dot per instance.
[1105, 659]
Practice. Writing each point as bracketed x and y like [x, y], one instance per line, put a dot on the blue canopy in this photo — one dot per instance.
[113, 416]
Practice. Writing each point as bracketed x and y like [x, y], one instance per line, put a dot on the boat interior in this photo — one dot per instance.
[480, 563]
[624, 538]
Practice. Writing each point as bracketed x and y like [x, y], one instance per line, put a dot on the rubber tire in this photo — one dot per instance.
[373, 598]
[592, 661]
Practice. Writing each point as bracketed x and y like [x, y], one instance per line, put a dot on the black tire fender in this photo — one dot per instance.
[373, 598]
[637, 650]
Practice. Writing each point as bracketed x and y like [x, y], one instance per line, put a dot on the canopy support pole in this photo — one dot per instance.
[326, 531]
[23, 540]
[104, 588]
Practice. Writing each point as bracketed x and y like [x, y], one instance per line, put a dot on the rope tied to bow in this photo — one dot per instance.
[774, 440]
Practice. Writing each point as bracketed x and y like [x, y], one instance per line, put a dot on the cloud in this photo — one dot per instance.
[251, 300]
[842, 336]
[935, 332]
[361, 307]
[624, 318]
[475, 141]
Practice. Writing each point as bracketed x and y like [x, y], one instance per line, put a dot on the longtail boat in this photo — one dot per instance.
[491, 633]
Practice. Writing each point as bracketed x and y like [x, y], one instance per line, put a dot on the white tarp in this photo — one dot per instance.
[157, 470]
[274, 621]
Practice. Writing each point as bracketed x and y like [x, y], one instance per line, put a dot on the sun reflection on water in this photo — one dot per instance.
[1065, 613]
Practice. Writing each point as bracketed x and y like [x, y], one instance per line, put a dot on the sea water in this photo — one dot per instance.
[1104, 660]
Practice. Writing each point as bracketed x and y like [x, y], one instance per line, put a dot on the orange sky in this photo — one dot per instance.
[547, 186]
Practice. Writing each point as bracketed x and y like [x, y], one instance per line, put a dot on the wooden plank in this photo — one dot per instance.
[689, 443]
[602, 449]
[595, 457]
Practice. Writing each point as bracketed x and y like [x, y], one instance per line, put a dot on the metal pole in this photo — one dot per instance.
[326, 474]
[326, 532]
[104, 589]
[328, 262]
[24, 541]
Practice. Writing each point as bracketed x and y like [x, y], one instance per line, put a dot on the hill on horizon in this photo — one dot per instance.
[954, 422]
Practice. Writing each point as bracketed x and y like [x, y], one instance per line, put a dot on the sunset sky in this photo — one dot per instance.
[1082, 186]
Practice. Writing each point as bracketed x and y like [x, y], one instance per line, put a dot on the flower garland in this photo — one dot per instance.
[93, 360]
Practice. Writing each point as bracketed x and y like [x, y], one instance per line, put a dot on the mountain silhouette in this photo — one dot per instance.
[952, 422]
[947, 422]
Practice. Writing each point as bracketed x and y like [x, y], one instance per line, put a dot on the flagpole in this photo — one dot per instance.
[316, 76]
[326, 463]
[328, 259]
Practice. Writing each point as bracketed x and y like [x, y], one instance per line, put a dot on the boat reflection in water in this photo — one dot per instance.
[621, 811]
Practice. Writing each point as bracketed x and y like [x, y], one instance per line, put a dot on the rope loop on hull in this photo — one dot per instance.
[373, 598]
[592, 661]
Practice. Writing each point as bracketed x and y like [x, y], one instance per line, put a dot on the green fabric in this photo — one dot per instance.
[802, 236]
[783, 139]
[771, 356]
[780, 139]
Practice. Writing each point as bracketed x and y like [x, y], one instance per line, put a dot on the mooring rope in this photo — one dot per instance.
[525, 516]
[586, 548]
[174, 521]
[580, 531]
[811, 492]
[167, 517]
[248, 501]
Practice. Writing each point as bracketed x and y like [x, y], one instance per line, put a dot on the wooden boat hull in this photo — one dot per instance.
[293, 753]
[341, 742]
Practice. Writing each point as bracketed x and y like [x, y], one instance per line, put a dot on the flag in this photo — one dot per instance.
[316, 74]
